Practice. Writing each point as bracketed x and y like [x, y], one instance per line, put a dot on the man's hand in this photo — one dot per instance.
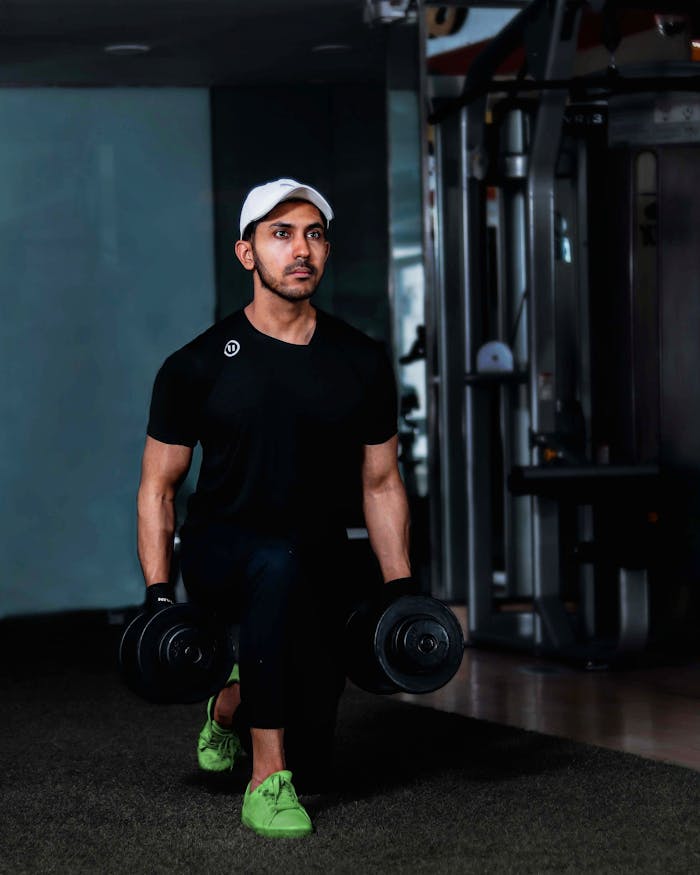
[403, 586]
[400, 586]
[158, 597]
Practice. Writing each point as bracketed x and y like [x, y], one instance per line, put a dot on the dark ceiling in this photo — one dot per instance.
[193, 42]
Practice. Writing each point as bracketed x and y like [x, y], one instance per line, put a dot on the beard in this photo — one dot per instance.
[280, 288]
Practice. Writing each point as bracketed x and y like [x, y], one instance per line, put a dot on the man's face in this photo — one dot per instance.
[289, 250]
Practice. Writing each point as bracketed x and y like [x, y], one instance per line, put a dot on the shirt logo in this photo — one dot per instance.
[232, 348]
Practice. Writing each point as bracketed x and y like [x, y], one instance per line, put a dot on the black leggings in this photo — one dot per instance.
[289, 595]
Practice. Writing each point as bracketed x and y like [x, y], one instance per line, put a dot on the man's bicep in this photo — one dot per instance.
[164, 466]
[380, 462]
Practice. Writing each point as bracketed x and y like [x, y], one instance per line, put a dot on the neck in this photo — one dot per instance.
[284, 320]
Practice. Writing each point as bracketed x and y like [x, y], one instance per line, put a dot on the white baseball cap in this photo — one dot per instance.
[263, 198]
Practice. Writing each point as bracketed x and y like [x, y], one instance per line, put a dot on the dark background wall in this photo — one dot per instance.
[332, 137]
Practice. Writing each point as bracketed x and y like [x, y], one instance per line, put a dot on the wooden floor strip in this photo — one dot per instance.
[651, 712]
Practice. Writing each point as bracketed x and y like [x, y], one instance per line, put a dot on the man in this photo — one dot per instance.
[294, 410]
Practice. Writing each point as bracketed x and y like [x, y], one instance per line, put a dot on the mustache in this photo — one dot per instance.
[301, 263]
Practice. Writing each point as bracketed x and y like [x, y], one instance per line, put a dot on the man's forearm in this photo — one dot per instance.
[156, 527]
[387, 520]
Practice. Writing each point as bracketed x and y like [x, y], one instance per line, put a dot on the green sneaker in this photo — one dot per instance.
[273, 809]
[218, 748]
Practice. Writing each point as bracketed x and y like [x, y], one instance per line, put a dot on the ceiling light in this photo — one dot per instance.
[332, 48]
[127, 49]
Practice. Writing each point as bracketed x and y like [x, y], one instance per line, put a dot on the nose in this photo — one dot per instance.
[301, 246]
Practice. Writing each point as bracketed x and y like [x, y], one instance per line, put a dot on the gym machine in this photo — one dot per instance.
[562, 342]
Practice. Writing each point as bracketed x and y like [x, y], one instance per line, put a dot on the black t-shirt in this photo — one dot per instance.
[281, 425]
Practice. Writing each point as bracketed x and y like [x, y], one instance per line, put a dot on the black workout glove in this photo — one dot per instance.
[400, 586]
[158, 597]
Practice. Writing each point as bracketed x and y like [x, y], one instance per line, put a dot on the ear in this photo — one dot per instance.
[244, 253]
[328, 251]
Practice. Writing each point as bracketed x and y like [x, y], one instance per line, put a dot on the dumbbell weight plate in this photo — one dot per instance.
[361, 663]
[177, 655]
[418, 644]
[128, 654]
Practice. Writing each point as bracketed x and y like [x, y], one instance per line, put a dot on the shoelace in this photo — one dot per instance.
[225, 745]
[282, 793]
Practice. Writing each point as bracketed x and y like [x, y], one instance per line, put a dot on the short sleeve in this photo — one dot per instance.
[175, 403]
[381, 411]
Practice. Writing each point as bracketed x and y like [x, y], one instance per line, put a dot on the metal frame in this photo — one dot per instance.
[479, 4]
[448, 337]
[552, 628]
[557, 352]
[513, 328]
[465, 451]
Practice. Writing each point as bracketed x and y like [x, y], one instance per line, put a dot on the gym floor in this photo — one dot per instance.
[652, 712]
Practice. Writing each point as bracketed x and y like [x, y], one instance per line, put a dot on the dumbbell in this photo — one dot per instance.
[177, 655]
[413, 644]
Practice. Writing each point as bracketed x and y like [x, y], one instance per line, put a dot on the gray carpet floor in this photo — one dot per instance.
[95, 780]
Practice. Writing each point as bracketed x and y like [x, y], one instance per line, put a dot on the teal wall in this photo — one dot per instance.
[106, 266]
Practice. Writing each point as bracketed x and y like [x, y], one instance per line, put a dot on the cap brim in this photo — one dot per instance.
[301, 192]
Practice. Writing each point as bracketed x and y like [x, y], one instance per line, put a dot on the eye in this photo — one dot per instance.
[315, 235]
[281, 234]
